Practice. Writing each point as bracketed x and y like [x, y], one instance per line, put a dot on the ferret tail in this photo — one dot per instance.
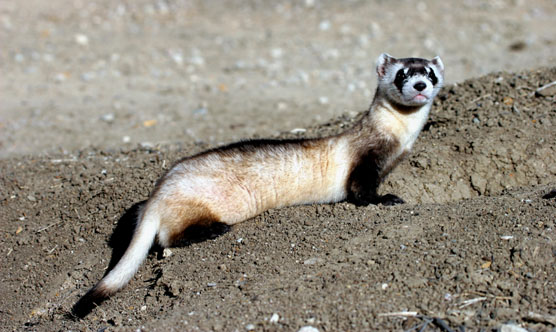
[119, 276]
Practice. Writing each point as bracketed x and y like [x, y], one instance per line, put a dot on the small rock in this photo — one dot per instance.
[167, 253]
[197, 60]
[282, 106]
[126, 139]
[276, 53]
[324, 26]
[109, 117]
[149, 123]
[308, 329]
[82, 39]
[274, 318]
[298, 130]
[511, 328]
[547, 90]
[200, 111]
[250, 327]
[88, 76]
[312, 261]
[60, 77]
[323, 100]
[177, 56]
[31, 198]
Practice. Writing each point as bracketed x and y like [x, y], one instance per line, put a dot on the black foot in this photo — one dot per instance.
[389, 200]
[386, 200]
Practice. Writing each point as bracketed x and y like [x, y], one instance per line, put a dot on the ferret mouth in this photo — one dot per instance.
[420, 98]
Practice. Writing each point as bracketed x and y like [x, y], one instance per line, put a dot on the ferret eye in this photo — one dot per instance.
[400, 75]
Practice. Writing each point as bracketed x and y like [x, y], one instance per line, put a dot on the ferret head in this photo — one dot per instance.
[409, 81]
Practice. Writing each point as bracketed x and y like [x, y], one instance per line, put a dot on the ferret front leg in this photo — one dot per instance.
[363, 190]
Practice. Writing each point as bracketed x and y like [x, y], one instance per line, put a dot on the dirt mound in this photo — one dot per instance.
[474, 247]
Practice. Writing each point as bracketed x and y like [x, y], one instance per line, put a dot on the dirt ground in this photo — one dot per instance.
[99, 98]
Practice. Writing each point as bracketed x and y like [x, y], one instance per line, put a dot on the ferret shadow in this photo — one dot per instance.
[121, 238]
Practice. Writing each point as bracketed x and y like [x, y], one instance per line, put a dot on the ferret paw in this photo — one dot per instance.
[390, 199]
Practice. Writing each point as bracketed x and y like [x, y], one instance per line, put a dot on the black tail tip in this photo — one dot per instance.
[89, 301]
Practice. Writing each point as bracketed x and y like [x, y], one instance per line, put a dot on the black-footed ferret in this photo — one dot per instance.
[236, 182]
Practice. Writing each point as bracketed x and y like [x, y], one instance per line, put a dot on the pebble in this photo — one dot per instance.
[126, 139]
[109, 117]
[308, 329]
[149, 123]
[325, 25]
[167, 252]
[88, 76]
[200, 111]
[276, 53]
[197, 60]
[250, 327]
[81, 39]
[298, 130]
[309, 3]
[303, 76]
[177, 56]
[48, 57]
[282, 106]
[147, 145]
[274, 318]
[511, 328]
[323, 100]
[312, 261]
[60, 77]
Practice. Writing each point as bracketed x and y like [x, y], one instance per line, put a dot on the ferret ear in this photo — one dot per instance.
[383, 61]
[438, 63]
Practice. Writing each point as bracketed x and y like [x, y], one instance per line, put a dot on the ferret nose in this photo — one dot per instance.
[420, 86]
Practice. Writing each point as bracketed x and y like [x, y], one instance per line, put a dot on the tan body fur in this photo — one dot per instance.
[237, 182]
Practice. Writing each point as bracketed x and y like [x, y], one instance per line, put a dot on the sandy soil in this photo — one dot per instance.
[474, 246]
